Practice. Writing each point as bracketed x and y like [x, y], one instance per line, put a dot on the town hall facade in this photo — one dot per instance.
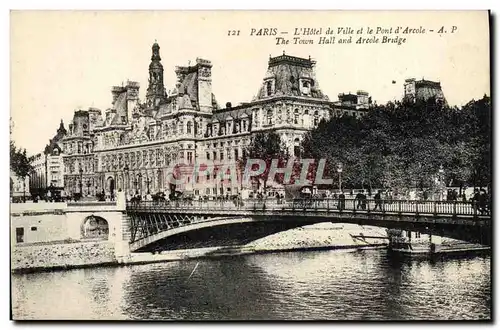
[133, 145]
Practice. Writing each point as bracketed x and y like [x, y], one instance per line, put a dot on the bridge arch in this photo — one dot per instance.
[94, 227]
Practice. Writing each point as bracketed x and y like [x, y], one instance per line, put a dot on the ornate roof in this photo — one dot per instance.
[287, 72]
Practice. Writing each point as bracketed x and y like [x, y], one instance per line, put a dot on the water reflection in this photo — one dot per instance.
[296, 285]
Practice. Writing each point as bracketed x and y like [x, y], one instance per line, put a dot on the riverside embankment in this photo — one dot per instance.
[92, 253]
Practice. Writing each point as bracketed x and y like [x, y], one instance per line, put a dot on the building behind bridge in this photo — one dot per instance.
[133, 145]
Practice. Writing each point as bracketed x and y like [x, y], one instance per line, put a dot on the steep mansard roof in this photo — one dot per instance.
[287, 71]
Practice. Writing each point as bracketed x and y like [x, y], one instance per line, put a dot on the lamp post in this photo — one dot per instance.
[81, 178]
[339, 171]
[441, 181]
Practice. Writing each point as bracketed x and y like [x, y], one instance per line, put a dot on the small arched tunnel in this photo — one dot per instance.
[95, 227]
[241, 233]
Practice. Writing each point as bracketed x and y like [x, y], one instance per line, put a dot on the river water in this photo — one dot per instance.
[318, 285]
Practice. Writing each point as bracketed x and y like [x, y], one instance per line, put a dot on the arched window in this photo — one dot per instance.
[270, 117]
[296, 116]
[269, 87]
[296, 147]
[189, 127]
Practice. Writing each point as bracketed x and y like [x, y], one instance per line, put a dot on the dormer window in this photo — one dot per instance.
[269, 88]
[305, 85]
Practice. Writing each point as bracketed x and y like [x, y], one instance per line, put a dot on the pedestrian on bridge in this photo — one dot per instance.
[483, 202]
[341, 204]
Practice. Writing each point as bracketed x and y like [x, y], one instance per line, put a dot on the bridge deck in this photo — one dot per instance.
[151, 221]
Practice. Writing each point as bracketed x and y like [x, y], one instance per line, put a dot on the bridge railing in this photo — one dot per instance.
[328, 205]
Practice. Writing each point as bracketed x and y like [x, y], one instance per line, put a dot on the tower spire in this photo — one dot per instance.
[156, 90]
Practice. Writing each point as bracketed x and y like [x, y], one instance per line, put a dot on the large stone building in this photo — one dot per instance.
[423, 90]
[47, 166]
[134, 145]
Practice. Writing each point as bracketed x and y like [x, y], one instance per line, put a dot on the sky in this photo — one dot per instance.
[62, 61]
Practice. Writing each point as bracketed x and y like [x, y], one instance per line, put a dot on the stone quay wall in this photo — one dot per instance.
[31, 257]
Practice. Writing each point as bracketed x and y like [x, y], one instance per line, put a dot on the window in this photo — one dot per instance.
[189, 127]
[208, 155]
[269, 117]
[296, 116]
[222, 155]
[269, 87]
[190, 157]
[296, 147]
[33, 229]
[215, 155]
[236, 155]
[20, 235]
[316, 118]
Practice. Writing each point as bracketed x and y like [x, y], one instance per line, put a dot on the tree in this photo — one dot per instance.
[20, 163]
[265, 146]
[403, 144]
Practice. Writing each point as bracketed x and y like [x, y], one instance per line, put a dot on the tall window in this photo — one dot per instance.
[296, 147]
[189, 127]
[190, 157]
[316, 118]
[236, 154]
[269, 117]
[296, 116]
[269, 87]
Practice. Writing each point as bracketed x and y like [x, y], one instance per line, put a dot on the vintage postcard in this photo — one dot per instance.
[250, 165]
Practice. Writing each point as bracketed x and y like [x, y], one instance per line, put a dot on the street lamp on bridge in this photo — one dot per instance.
[441, 181]
[339, 171]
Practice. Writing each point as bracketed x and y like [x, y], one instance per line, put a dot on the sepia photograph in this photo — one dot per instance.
[225, 165]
